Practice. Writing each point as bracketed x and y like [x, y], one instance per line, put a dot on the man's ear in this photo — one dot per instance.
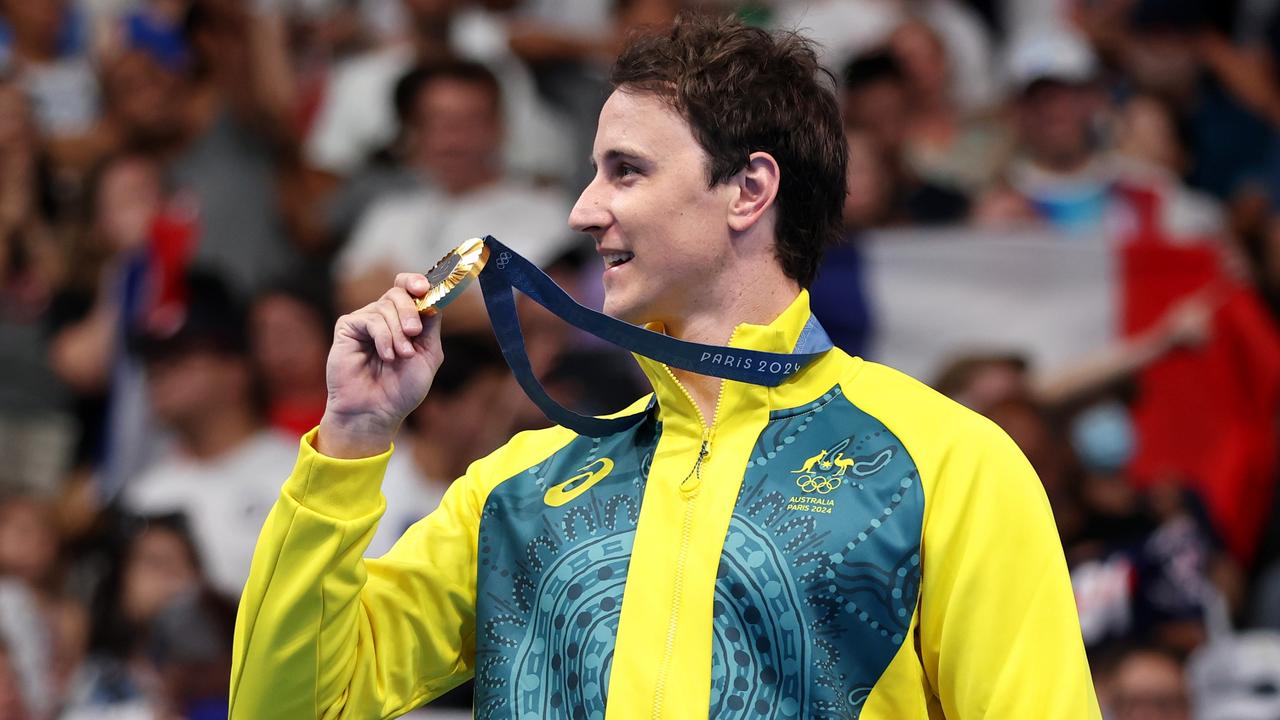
[755, 189]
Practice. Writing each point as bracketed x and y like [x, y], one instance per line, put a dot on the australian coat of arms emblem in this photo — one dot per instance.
[830, 468]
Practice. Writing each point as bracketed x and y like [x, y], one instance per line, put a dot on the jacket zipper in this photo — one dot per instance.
[686, 529]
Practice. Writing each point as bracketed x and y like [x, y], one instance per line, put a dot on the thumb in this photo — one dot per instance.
[430, 335]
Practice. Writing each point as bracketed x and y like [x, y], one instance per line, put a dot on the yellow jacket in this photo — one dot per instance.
[847, 544]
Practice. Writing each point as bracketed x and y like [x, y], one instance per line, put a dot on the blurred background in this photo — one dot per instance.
[1064, 214]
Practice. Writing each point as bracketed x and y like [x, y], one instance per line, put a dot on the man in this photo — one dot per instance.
[454, 119]
[847, 543]
[355, 118]
[1059, 175]
[1146, 683]
[200, 387]
[37, 49]
[844, 29]
[876, 101]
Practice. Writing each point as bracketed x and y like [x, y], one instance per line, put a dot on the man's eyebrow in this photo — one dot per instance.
[616, 154]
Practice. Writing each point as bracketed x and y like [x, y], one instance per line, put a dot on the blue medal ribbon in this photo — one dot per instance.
[507, 270]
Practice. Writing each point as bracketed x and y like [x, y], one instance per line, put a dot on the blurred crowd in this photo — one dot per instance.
[192, 190]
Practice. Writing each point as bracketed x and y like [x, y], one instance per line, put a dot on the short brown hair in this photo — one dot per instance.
[745, 90]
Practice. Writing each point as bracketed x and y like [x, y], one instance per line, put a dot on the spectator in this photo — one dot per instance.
[869, 202]
[845, 29]
[36, 431]
[238, 127]
[1151, 153]
[44, 626]
[191, 642]
[142, 108]
[31, 553]
[388, 172]
[1058, 176]
[355, 118]
[125, 194]
[1236, 676]
[11, 703]
[142, 111]
[156, 563]
[876, 100]
[111, 287]
[457, 130]
[45, 57]
[28, 542]
[1145, 684]
[1175, 50]
[943, 144]
[1144, 564]
[219, 474]
[290, 326]
[28, 638]
[981, 382]
[568, 44]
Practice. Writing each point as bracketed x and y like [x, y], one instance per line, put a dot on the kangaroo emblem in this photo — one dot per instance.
[808, 464]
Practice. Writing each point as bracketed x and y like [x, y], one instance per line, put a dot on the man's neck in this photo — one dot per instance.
[756, 303]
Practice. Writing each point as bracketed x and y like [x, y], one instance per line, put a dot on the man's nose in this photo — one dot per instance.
[590, 213]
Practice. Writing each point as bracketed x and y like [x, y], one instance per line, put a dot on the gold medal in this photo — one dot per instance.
[453, 274]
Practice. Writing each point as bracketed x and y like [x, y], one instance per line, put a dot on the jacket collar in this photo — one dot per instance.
[779, 336]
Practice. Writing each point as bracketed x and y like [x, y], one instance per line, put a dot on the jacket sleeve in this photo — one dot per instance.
[999, 632]
[322, 632]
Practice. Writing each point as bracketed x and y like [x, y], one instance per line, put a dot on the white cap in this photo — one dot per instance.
[1050, 55]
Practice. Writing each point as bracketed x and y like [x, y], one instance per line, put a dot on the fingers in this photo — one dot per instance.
[368, 324]
[414, 283]
[406, 311]
[430, 334]
[392, 321]
[391, 315]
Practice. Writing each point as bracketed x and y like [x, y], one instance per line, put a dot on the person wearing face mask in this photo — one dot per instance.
[1145, 563]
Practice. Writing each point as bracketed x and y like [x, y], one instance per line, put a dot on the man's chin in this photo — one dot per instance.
[626, 312]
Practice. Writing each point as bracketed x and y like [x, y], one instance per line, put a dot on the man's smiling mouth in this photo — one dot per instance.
[614, 259]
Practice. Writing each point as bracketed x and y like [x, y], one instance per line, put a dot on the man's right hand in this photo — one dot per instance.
[381, 365]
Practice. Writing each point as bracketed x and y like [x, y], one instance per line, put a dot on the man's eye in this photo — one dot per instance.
[625, 170]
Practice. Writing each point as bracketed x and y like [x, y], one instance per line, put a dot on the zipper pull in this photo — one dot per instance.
[696, 472]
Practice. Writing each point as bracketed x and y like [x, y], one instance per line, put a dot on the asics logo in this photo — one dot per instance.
[566, 491]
